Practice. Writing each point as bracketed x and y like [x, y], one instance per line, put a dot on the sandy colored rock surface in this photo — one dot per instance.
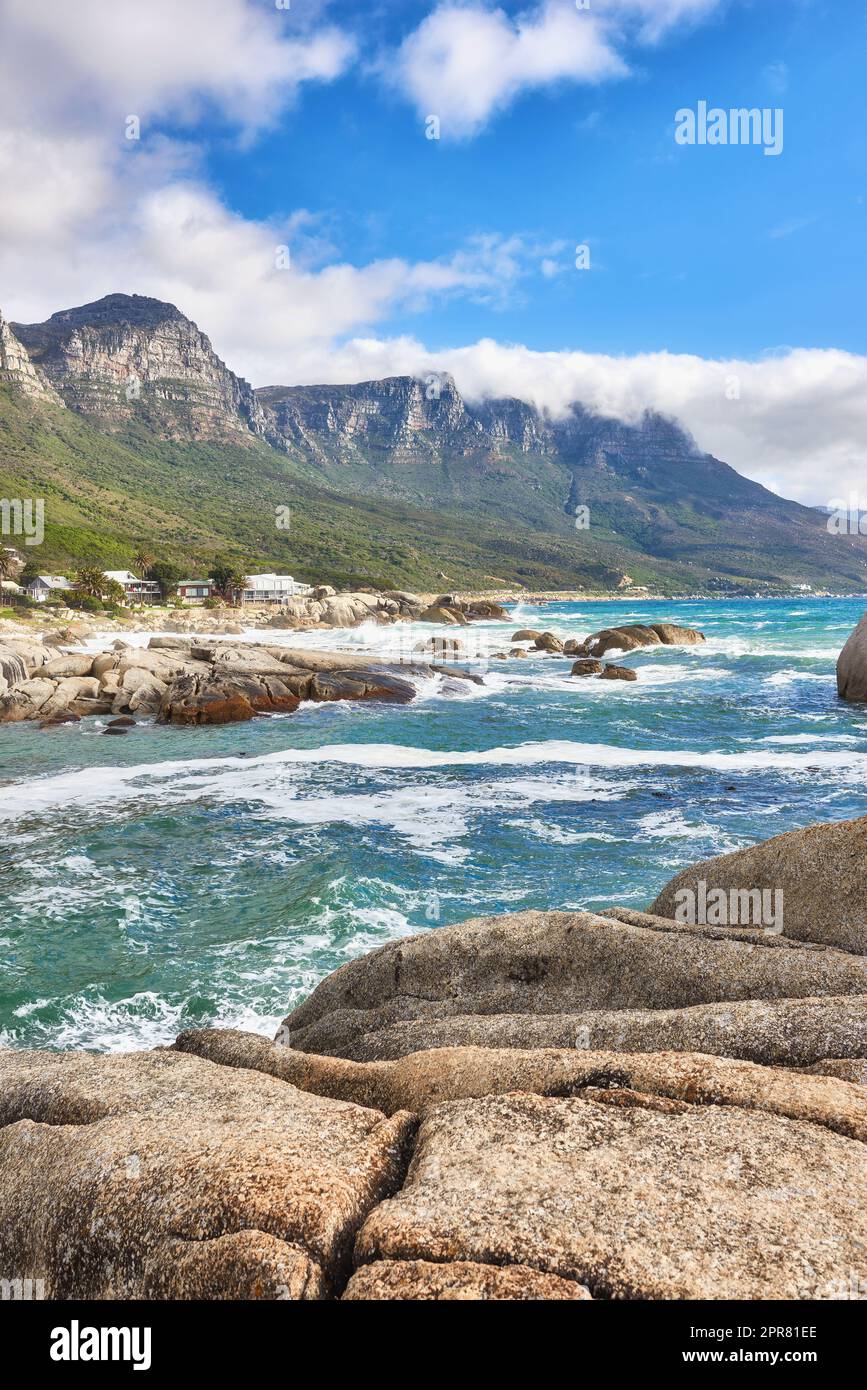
[423, 1079]
[557, 963]
[157, 1174]
[631, 1200]
[820, 871]
[774, 1032]
[852, 1069]
[410, 1280]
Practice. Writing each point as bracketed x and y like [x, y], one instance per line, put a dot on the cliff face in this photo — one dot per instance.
[399, 418]
[127, 357]
[573, 495]
[424, 442]
[17, 370]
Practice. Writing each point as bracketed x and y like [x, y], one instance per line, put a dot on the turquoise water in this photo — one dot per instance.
[178, 878]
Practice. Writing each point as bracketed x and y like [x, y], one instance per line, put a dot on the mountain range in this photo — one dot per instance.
[121, 415]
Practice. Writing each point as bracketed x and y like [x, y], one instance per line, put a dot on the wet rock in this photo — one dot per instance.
[634, 635]
[547, 642]
[361, 685]
[587, 666]
[193, 700]
[671, 635]
[438, 614]
[618, 673]
[526, 634]
[57, 720]
[441, 647]
[852, 666]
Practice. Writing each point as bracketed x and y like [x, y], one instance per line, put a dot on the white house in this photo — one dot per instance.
[45, 584]
[136, 590]
[271, 588]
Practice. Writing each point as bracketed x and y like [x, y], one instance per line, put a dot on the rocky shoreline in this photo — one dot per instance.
[198, 675]
[197, 679]
[543, 1105]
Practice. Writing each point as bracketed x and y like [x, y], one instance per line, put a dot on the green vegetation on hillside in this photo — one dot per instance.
[109, 495]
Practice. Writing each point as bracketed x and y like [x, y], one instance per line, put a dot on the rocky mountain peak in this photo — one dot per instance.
[130, 357]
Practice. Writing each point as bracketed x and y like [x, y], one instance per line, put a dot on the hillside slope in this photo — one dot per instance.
[121, 415]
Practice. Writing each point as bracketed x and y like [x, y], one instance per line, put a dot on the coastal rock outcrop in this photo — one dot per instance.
[228, 1167]
[852, 666]
[632, 636]
[159, 1175]
[819, 871]
[630, 1196]
[418, 1080]
[538, 965]
[197, 680]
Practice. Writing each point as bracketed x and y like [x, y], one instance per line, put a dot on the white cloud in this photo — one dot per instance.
[97, 60]
[467, 60]
[656, 17]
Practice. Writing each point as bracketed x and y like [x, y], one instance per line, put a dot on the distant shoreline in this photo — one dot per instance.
[576, 596]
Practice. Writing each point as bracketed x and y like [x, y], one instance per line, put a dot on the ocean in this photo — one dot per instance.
[188, 878]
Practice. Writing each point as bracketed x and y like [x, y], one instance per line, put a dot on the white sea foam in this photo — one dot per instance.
[268, 777]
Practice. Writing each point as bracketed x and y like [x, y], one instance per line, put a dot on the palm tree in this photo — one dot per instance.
[91, 581]
[8, 564]
[142, 561]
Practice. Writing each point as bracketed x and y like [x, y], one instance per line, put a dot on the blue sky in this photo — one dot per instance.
[725, 287]
[718, 251]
